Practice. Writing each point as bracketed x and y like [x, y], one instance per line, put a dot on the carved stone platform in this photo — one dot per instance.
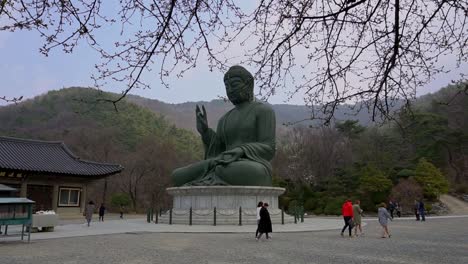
[231, 203]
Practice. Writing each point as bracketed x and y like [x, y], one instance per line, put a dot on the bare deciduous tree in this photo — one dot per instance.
[312, 155]
[405, 193]
[330, 52]
[148, 170]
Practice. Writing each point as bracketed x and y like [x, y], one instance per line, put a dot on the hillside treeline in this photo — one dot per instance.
[147, 145]
[421, 154]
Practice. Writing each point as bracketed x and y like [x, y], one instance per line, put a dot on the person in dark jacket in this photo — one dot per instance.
[121, 211]
[348, 214]
[416, 209]
[391, 208]
[264, 225]
[422, 210]
[102, 210]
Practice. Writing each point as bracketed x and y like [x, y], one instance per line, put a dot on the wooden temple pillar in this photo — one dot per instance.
[24, 189]
[83, 197]
[55, 197]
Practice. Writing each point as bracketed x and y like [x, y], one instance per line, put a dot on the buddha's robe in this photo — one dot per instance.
[250, 127]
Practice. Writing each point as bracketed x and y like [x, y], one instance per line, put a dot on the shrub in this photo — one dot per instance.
[310, 204]
[284, 202]
[373, 180]
[118, 199]
[292, 205]
[431, 179]
[428, 207]
[374, 186]
[318, 211]
[405, 173]
[334, 205]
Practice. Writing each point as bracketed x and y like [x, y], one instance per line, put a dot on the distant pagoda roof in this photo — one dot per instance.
[49, 157]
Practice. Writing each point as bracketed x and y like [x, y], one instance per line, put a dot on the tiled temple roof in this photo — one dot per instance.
[48, 157]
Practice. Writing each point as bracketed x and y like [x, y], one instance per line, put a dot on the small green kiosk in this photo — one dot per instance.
[16, 211]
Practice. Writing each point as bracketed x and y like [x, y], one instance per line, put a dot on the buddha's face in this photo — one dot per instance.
[237, 90]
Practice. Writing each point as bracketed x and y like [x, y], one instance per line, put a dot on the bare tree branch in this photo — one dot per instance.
[14, 100]
[328, 52]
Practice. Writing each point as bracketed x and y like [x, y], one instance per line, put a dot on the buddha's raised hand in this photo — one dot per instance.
[202, 120]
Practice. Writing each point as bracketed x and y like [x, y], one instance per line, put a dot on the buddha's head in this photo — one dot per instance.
[239, 85]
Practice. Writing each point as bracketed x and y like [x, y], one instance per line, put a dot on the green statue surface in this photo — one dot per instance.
[240, 151]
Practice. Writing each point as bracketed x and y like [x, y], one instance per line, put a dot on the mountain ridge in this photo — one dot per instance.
[182, 115]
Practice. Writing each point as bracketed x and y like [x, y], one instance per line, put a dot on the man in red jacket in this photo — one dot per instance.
[348, 215]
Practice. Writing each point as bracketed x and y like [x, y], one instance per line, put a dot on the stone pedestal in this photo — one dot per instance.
[230, 202]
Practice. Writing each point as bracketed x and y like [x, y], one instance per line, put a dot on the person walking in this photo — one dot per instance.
[264, 226]
[121, 211]
[357, 213]
[259, 207]
[416, 209]
[383, 219]
[398, 209]
[347, 211]
[88, 213]
[102, 210]
[422, 210]
[391, 207]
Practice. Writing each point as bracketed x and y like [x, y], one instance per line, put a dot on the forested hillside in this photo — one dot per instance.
[145, 143]
[422, 153]
[183, 115]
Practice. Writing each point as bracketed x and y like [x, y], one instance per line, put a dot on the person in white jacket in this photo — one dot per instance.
[383, 219]
[259, 207]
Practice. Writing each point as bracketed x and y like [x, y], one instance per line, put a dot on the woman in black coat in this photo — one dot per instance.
[264, 225]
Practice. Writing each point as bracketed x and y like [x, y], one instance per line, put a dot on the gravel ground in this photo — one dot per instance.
[439, 241]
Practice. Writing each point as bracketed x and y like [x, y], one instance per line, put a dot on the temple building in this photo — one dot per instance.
[49, 173]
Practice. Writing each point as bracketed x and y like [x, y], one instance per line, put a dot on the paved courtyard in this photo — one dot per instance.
[438, 240]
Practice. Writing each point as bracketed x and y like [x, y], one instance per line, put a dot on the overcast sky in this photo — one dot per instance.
[26, 72]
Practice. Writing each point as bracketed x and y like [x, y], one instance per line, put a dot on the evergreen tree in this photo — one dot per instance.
[374, 186]
[431, 179]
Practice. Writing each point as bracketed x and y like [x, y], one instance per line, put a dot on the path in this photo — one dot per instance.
[140, 226]
[436, 241]
[456, 206]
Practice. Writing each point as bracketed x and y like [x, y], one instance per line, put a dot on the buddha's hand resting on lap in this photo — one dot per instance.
[230, 156]
[202, 119]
